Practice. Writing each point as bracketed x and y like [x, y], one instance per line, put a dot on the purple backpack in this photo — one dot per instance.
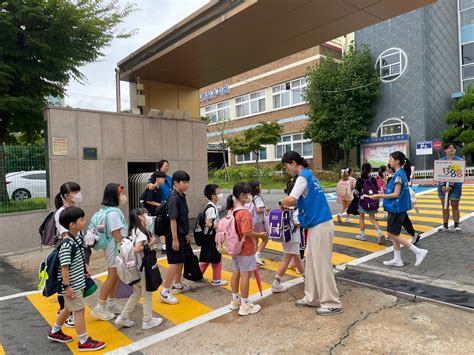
[47, 230]
[369, 204]
[279, 225]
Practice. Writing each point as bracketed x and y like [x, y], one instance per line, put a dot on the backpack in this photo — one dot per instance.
[200, 225]
[47, 230]
[280, 225]
[141, 199]
[162, 221]
[227, 238]
[343, 190]
[126, 262]
[50, 283]
[367, 203]
[252, 208]
[98, 227]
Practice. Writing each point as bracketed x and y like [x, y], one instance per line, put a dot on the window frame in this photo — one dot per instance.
[392, 75]
[240, 158]
[248, 100]
[284, 142]
[283, 89]
[392, 122]
[215, 109]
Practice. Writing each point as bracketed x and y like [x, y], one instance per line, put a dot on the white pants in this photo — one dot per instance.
[139, 290]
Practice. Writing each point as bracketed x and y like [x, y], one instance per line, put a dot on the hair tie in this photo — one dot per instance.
[234, 199]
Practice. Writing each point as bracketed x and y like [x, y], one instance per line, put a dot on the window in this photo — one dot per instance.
[251, 158]
[467, 17]
[466, 4]
[468, 54]
[391, 64]
[289, 93]
[294, 142]
[392, 127]
[40, 176]
[250, 104]
[217, 112]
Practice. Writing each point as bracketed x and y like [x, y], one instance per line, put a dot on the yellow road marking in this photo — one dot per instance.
[436, 212]
[370, 232]
[97, 329]
[358, 244]
[417, 227]
[438, 205]
[187, 308]
[272, 265]
[2, 351]
[438, 202]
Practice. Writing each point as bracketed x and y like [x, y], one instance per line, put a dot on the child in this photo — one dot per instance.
[344, 191]
[154, 197]
[259, 222]
[209, 253]
[244, 263]
[291, 249]
[365, 175]
[140, 236]
[72, 275]
[397, 204]
[176, 242]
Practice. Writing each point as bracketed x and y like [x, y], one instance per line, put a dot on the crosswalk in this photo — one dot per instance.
[204, 298]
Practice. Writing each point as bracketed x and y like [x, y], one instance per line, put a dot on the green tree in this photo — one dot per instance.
[43, 45]
[461, 123]
[252, 140]
[341, 96]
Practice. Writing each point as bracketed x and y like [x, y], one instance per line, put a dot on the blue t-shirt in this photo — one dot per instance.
[166, 188]
[457, 184]
[313, 209]
[403, 202]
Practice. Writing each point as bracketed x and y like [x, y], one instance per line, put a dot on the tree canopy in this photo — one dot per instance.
[341, 97]
[43, 45]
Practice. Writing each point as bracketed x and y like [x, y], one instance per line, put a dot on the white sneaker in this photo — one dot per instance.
[115, 308]
[250, 308]
[155, 322]
[443, 229]
[457, 230]
[219, 283]
[420, 256]
[168, 298]
[124, 322]
[393, 262]
[70, 321]
[163, 247]
[177, 290]
[278, 287]
[348, 219]
[101, 313]
[259, 261]
[235, 305]
[361, 237]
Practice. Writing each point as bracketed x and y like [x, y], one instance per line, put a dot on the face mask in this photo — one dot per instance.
[77, 198]
[149, 221]
[122, 200]
[219, 197]
[249, 199]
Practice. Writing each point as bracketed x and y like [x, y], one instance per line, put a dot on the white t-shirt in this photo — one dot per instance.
[300, 188]
[59, 228]
[295, 228]
[114, 222]
[259, 203]
[138, 236]
[211, 213]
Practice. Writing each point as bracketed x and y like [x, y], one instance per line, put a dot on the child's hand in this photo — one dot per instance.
[188, 239]
[175, 245]
[152, 241]
[69, 292]
[151, 186]
[88, 271]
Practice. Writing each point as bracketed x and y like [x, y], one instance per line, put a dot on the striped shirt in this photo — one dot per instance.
[76, 266]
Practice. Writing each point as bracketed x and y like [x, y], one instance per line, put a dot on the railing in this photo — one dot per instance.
[136, 185]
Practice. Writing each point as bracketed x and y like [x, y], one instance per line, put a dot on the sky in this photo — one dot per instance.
[152, 18]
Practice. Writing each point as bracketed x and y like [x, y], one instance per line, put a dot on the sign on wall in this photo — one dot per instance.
[213, 93]
[378, 155]
[59, 146]
[424, 148]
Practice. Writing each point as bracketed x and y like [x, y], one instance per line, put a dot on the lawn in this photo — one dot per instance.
[267, 182]
[40, 203]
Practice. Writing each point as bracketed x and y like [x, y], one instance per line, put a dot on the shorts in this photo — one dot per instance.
[291, 248]
[110, 253]
[244, 263]
[454, 194]
[75, 304]
[395, 222]
[361, 210]
[176, 257]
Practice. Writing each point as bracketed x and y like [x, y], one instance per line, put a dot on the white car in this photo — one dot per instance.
[26, 184]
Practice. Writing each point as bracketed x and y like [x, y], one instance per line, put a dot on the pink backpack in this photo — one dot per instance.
[227, 238]
[343, 189]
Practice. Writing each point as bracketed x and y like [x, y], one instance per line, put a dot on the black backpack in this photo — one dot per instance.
[141, 201]
[199, 236]
[162, 222]
[47, 230]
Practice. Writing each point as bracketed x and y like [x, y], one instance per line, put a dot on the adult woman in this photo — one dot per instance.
[397, 202]
[69, 194]
[454, 191]
[314, 215]
[117, 229]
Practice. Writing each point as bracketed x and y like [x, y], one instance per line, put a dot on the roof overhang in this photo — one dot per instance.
[226, 38]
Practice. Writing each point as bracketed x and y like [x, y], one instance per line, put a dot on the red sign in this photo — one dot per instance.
[437, 145]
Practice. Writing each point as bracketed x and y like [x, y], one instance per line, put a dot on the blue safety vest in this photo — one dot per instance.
[403, 202]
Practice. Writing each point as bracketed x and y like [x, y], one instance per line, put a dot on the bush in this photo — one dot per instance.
[326, 175]
[40, 203]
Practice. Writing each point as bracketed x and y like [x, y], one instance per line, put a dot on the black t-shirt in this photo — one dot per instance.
[152, 196]
[178, 208]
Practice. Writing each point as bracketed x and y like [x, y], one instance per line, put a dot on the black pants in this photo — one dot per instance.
[409, 226]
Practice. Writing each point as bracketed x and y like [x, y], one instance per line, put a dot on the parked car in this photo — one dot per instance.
[26, 184]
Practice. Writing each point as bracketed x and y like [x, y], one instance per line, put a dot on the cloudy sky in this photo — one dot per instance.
[151, 19]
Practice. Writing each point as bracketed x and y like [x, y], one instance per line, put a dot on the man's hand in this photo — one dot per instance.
[151, 186]
[175, 245]
[69, 293]
[88, 271]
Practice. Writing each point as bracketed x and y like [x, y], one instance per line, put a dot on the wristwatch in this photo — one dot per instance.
[65, 286]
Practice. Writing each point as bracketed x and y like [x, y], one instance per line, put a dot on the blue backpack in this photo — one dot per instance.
[50, 283]
[98, 227]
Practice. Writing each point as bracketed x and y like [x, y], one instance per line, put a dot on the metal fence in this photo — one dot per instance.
[23, 178]
[136, 185]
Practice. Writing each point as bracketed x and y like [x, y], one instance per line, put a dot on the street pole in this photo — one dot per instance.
[117, 90]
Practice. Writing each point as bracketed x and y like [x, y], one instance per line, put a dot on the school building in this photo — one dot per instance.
[425, 60]
[272, 92]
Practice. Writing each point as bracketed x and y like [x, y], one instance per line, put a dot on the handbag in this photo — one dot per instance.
[90, 288]
[192, 271]
[153, 278]
[209, 252]
[353, 208]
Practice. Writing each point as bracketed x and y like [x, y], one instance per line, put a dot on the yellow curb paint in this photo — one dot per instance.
[97, 329]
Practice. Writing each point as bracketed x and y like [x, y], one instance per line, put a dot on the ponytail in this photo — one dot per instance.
[407, 168]
[65, 188]
[292, 156]
[230, 202]
[58, 201]
[404, 162]
[239, 189]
